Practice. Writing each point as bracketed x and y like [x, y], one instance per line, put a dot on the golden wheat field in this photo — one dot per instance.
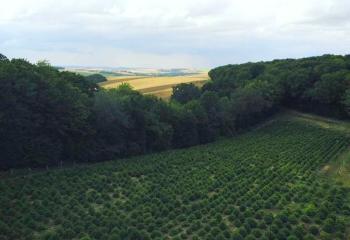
[159, 86]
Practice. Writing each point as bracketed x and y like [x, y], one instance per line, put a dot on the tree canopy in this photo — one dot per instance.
[44, 114]
[316, 84]
[185, 92]
[96, 78]
[3, 57]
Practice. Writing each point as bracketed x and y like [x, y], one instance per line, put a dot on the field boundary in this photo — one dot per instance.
[122, 80]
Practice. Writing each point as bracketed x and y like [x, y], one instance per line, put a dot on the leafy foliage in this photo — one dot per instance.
[3, 57]
[316, 84]
[44, 114]
[185, 92]
[50, 118]
[346, 101]
[96, 78]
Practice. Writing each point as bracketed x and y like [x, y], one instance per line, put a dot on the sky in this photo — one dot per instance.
[171, 33]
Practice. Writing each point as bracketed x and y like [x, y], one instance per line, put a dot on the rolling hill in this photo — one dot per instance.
[158, 82]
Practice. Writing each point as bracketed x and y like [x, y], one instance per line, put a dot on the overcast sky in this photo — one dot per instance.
[171, 33]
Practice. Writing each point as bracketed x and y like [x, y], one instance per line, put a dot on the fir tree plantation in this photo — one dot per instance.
[263, 184]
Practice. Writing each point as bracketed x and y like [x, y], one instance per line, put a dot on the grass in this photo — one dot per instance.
[159, 86]
[338, 169]
[323, 122]
[263, 183]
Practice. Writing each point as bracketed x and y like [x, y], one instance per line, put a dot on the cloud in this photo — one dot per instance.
[168, 33]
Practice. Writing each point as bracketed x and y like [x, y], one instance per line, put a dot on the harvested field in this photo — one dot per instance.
[159, 86]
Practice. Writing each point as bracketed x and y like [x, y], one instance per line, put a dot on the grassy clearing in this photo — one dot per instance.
[258, 185]
[323, 122]
[339, 168]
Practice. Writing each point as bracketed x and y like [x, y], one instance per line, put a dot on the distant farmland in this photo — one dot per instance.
[159, 86]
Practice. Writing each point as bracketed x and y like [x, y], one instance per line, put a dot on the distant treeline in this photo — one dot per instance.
[49, 118]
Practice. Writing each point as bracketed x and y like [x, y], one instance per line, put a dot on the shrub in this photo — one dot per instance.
[314, 230]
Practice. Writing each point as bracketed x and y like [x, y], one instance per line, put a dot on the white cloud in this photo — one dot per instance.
[161, 33]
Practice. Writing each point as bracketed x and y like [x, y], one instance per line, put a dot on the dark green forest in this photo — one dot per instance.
[317, 84]
[53, 118]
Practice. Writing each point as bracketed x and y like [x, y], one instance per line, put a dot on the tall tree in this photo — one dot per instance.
[3, 57]
[185, 92]
[96, 78]
[346, 101]
[44, 118]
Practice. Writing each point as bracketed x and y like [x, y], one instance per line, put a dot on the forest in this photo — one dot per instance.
[54, 118]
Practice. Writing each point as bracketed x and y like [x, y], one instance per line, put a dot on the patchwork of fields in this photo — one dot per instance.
[159, 86]
[265, 184]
